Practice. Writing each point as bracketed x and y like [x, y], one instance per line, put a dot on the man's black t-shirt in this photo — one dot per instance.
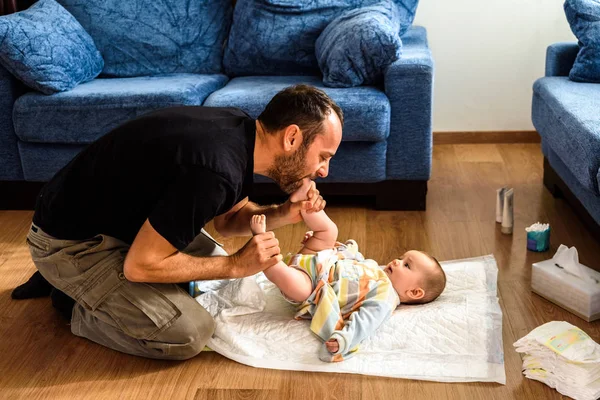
[178, 167]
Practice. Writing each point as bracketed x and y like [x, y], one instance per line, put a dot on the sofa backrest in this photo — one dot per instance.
[148, 37]
[277, 37]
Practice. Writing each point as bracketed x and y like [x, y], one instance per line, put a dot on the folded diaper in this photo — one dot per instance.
[564, 357]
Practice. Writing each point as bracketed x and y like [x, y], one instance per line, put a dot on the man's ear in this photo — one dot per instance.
[415, 294]
[292, 138]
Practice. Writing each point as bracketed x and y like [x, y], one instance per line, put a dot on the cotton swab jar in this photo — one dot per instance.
[538, 237]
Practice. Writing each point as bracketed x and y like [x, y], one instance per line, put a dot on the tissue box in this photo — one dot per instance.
[566, 290]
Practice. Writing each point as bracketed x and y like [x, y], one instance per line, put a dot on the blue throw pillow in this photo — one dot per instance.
[584, 18]
[277, 37]
[149, 37]
[407, 10]
[358, 46]
[47, 49]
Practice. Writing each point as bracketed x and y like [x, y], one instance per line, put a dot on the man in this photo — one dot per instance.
[117, 228]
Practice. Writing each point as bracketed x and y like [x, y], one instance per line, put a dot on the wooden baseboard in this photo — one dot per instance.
[19, 195]
[486, 137]
[386, 195]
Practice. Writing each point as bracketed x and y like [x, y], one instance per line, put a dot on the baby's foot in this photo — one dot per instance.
[258, 224]
[302, 192]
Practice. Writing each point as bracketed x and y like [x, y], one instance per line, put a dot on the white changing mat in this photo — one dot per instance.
[457, 338]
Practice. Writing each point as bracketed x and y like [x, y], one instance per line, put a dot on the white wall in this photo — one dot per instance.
[487, 55]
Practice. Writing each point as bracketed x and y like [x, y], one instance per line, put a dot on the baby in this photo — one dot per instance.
[347, 297]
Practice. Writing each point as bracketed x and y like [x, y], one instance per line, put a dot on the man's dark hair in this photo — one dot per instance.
[303, 105]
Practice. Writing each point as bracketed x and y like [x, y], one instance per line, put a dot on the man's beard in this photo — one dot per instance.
[287, 171]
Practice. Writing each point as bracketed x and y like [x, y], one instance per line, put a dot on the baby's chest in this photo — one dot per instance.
[346, 271]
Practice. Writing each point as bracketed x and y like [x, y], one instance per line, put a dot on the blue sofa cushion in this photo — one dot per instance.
[47, 49]
[366, 109]
[92, 109]
[584, 18]
[359, 45]
[565, 113]
[147, 37]
[277, 37]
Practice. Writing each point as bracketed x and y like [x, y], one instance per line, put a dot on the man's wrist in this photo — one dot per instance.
[277, 216]
[231, 266]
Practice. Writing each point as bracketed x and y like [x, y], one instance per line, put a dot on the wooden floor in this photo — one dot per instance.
[40, 359]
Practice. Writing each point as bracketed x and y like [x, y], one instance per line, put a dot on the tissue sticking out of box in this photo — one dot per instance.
[567, 283]
[568, 259]
[537, 227]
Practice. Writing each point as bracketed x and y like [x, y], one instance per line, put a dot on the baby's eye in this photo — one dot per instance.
[406, 265]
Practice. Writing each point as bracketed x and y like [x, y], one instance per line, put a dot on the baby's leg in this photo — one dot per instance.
[294, 284]
[325, 232]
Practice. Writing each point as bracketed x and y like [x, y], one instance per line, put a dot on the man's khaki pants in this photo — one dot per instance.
[149, 320]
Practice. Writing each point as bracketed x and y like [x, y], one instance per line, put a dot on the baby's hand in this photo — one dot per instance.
[307, 236]
[332, 346]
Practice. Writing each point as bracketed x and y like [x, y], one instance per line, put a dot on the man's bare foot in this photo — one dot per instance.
[258, 224]
[302, 192]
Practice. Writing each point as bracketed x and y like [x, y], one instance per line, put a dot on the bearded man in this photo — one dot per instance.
[119, 229]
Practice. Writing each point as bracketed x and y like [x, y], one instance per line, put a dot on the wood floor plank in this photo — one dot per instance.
[41, 359]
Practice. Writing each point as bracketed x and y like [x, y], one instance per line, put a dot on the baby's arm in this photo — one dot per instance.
[361, 324]
[325, 231]
[294, 284]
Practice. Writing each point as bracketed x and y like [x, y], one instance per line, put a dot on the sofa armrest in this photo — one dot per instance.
[409, 86]
[560, 58]
[10, 161]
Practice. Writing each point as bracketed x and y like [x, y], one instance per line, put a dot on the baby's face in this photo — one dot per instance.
[409, 271]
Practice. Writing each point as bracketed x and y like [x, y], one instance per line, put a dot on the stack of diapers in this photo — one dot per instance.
[457, 338]
[563, 357]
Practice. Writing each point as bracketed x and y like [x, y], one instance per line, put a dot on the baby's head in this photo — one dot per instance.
[417, 277]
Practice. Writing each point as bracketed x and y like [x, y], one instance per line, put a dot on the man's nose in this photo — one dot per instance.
[324, 170]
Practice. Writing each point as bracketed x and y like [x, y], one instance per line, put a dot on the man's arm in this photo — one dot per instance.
[152, 258]
[236, 222]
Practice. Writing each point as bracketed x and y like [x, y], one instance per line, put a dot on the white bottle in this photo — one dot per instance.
[500, 203]
[508, 213]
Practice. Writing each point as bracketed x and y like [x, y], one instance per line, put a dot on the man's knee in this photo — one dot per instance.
[189, 334]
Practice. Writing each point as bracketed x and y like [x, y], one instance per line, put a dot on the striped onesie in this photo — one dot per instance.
[351, 297]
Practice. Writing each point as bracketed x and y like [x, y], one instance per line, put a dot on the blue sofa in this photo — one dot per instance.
[385, 152]
[567, 116]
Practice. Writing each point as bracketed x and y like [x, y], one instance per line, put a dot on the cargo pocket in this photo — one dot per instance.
[138, 309]
[143, 311]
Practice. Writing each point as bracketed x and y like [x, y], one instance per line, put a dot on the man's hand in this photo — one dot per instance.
[260, 253]
[332, 346]
[314, 203]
